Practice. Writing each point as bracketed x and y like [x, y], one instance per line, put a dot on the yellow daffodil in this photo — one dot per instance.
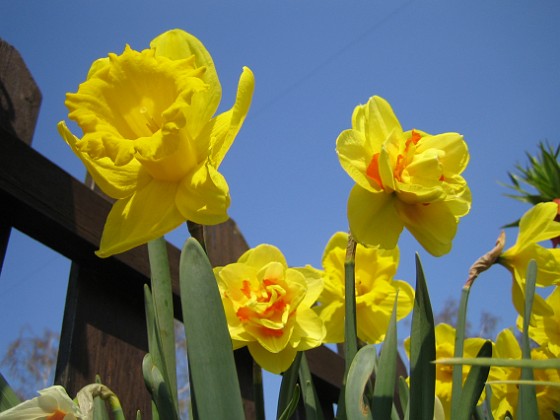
[268, 306]
[535, 226]
[53, 403]
[545, 330]
[375, 290]
[505, 396]
[445, 348]
[403, 179]
[151, 140]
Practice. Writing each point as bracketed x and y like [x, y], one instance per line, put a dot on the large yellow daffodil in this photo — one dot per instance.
[151, 140]
[375, 291]
[445, 348]
[505, 396]
[535, 226]
[268, 306]
[403, 179]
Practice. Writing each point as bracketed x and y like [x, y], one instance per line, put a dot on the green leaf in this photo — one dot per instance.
[386, 371]
[403, 395]
[518, 363]
[310, 399]
[422, 352]
[162, 295]
[457, 376]
[157, 386]
[258, 392]
[292, 405]
[8, 397]
[527, 403]
[474, 385]
[289, 382]
[359, 374]
[209, 348]
[153, 346]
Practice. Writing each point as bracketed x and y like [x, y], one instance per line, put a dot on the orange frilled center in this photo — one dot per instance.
[401, 161]
[268, 303]
[57, 415]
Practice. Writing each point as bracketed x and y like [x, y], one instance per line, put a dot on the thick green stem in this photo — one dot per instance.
[457, 384]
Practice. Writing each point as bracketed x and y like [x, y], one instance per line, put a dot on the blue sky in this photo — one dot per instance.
[489, 70]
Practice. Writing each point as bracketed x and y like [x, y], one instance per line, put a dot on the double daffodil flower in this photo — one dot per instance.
[151, 140]
[268, 306]
[403, 179]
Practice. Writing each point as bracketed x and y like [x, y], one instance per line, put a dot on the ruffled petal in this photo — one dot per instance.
[538, 225]
[273, 362]
[376, 120]
[452, 151]
[262, 255]
[115, 181]
[355, 158]
[177, 44]
[373, 218]
[147, 214]
[203, 196]
[309, 330]
[433, 225]
[226, 126]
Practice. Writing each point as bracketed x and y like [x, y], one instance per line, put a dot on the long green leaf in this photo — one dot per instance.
[311, 401]
[162, 295]
[159, 390]
[457, 382]
[359, 373]
[386, 371]
[153, 346]
[474, 385]
[403, 395]
[292, 405]
[422, 352]
[209, 348]
[527, 403]
[8, 397]
[489, 361]
[289, 382]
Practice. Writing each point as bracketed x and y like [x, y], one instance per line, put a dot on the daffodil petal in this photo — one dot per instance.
[262, 255]
[147, 214]
[373, 218]
[332, 315]
[273, 362]
[355, 157]
[538, 224]
[203, 197]
[115, 181]
[455, 156]
[309, 328]
[177, 44]
[376, 120]
[433, 225]
[226, 125]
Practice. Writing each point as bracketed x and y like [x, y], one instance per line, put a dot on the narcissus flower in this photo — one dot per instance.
[545, 330]
[535, 226]
[505, 396]
[151, 139]
[53, 403]
[403, 179]
[375, 291]
[268, 306]
[445, 348]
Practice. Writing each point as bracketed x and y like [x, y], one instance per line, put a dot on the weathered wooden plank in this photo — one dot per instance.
[20, 99]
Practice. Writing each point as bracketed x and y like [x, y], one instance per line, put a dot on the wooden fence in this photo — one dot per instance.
[103, 330]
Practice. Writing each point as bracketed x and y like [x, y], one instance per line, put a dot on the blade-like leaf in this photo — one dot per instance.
[527, 403]
[474, 385]
[289, 382]
[292, 405]
[8, 397]
[422, 352]
[487, 361]
[457, 382]
[310, 398]
[162, 296]
[403, 395]
[209, 348]
[359, 373]
[157, 386]
[386, 371]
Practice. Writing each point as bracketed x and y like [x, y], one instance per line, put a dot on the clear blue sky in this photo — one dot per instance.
[487, 69]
